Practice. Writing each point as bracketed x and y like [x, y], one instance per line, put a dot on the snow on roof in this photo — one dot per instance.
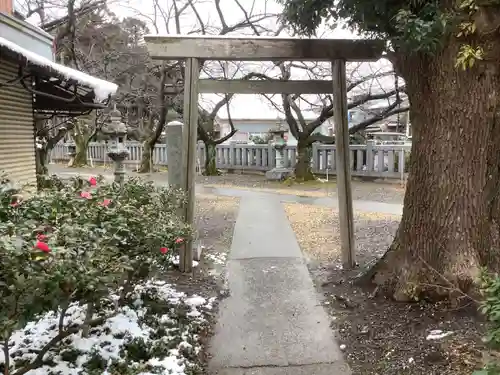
[102, 89]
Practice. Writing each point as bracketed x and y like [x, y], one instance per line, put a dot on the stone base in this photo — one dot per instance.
[197, 250]
[278, 174]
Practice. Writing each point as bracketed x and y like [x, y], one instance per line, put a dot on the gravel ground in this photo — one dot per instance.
[381, 337]
[380, 191]
[215, 220]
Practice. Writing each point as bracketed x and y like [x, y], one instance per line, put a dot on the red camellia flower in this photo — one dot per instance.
[41, 237]
[179, 240]
[86, 194]
[42, 246]
[92, 181]
[164, 250]
[14, 204]
[105, 202]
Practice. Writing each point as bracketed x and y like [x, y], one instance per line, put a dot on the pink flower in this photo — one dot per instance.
[15, 204]
[41, 237]
[163, 250]
[105, 203]
[86, 194]
[179, 240]
[42, 246]
[92, 181]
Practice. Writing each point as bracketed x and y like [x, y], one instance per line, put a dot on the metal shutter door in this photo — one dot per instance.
[17, 143]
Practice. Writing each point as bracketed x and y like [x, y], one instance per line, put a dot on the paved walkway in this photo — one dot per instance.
[272, 323]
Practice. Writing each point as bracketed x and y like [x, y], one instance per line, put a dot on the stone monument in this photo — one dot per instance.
[174, 153]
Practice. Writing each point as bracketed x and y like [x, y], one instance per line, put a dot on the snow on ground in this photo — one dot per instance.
[437, 334]
[176, 260]
[216, 258]
[157, 333]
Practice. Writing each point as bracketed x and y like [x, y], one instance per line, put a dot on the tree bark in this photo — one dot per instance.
[82, 144]
[211, 159]
[303, 171]
[451, 217]
[41, 157]
[146, 165]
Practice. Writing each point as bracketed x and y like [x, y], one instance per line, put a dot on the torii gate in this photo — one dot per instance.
[193, 49]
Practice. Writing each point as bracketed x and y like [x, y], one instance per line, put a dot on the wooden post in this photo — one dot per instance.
[343, 165]
[189, 146]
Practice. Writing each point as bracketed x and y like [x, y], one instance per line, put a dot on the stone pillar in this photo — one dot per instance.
[370, 156]
[174, 153]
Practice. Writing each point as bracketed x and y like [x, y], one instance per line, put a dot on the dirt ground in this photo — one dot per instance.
[379, 191]
[215, 218]
[389, 191]
[379, 336]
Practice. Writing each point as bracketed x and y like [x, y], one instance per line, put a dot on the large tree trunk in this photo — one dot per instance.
[451, 217]
[303, 171]
[41, 157]
[211, 160]
[81, 143]
[147, 158]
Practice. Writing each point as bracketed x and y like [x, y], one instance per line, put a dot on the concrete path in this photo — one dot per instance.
[272, 322]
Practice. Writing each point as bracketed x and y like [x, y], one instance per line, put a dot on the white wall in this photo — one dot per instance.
[247, 127]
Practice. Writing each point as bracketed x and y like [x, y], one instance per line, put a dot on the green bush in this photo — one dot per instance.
[80, 242]
[490, 307]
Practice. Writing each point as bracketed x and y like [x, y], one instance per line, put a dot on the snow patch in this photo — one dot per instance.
[437, 334]
[102, 89]
[176, 261]
[109, 340]
[217, 258]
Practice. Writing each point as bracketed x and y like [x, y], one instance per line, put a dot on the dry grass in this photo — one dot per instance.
[316, 229]
[277, 188]
[361, 190]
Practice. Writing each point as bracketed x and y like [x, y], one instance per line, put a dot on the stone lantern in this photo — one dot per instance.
[71, 153]
[117, 151]
[280, 172]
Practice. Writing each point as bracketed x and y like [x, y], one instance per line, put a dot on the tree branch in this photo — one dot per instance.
[358, 82]
[247, 17]
[321, 138]
[231, 124]
[221, 17]
[219, 105]
[391, 110]
[79, 12]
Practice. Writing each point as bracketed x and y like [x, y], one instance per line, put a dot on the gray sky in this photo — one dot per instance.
[242, 106]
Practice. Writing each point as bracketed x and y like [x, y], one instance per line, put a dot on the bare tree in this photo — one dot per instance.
[364, 88]
[61, 19]
[188, 16]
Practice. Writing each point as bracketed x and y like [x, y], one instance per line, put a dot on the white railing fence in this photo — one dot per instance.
[388, 161]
